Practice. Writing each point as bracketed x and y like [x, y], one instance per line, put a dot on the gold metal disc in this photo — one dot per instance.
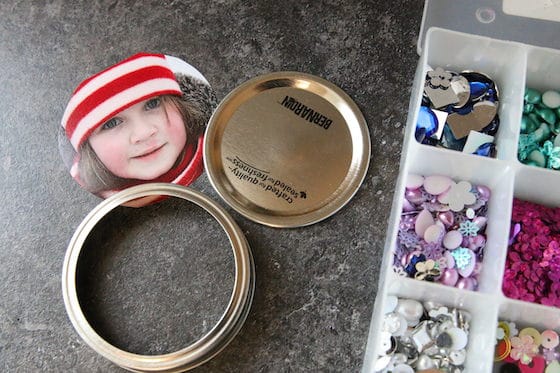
[287, 149]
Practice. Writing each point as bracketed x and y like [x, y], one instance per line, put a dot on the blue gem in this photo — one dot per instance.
[492, 128]
[420, 134]
[478, 89]
[492, 95]
[485, 150]
[427, 123]
[411, 267]
[450, 142]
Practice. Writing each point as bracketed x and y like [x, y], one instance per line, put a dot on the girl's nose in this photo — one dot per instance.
[142, 130]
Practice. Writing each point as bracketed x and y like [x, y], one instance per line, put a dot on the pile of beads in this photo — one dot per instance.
[441, 234]
[459, 111]
[526, 351]
[422, 337]
[539, 143]
[532, 270]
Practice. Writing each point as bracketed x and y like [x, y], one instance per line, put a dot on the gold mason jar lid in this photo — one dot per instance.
[287, 149]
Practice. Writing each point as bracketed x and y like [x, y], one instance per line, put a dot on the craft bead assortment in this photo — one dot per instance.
[410, 268]
[441, 231]
[459, 111]
[525, 350]
[539, 143]
[417, 337]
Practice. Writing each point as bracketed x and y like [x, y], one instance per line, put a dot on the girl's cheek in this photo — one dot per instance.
[107, 149]
[177, 127]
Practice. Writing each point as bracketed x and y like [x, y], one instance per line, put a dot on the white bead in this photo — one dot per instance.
[424, 362]
[459, 337]
[403, 368]
[458, 357]
[551, 99]
[382, 363]
[411, 309]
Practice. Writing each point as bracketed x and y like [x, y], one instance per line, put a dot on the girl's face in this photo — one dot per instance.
[142, 142]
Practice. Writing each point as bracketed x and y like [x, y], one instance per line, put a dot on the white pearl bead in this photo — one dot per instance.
[410, 309]
[551, 99]
[459, 337]
[403, 368]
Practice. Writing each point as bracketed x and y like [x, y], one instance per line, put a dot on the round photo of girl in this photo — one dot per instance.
[140, 120]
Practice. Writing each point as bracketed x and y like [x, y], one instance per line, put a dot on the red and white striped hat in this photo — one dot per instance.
[114, 89]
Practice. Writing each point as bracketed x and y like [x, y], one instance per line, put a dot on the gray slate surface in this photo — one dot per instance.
[315, 286]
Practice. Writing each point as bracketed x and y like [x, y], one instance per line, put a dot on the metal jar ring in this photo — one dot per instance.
[208, 345]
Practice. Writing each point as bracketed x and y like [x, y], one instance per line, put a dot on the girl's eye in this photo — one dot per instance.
[152, 103]
[111, 123]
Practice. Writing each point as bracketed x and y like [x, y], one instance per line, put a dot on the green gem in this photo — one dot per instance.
[528, 124]
[535, 117]
[546, 114]
[555, 128]
[537, 157]
[526, 145]
[532, 96]
[546, 131]
[527, 108]
[542, 133]
[531, 163]
[557, 111]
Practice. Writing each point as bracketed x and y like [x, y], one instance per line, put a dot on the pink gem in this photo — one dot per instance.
[449, 277]
[423, 221]
[447, 218]
[466, 284]
[437, 184]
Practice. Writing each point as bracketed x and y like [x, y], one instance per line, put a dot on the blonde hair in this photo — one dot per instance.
[95, 176]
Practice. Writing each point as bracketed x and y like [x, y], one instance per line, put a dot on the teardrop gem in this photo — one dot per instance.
[532, 96]
[486, 150]
[538, 158]
[423, 221]
[528, 124]
[478, 89]
[427, 121]
[546, 114]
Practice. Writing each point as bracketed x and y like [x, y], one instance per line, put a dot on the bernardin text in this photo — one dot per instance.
[307, 113]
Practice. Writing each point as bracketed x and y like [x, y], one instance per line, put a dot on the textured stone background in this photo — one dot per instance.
[315, 286]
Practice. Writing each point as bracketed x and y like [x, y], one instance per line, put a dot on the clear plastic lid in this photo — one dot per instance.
[535, 22]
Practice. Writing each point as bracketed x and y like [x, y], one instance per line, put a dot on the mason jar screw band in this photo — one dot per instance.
[208, 345]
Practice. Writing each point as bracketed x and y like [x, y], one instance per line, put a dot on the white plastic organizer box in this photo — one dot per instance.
[513, 66]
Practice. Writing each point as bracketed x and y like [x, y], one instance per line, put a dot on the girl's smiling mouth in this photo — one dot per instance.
[149, 153]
